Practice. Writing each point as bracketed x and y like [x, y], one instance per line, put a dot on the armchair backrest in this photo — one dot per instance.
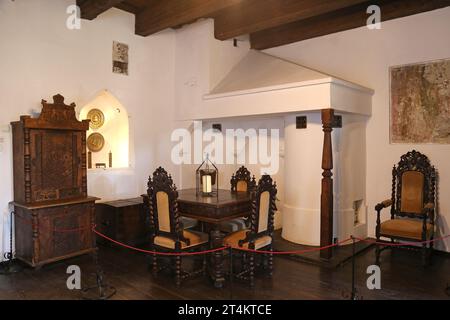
[263, 207]
[163, 206]
[413, 184]
[242, 181]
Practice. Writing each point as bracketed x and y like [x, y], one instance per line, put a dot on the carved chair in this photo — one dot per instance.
[167, 232]
[241, 181]
[260, 234]
[412, 204]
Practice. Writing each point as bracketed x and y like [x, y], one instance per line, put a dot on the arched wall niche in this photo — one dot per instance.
[115, 130]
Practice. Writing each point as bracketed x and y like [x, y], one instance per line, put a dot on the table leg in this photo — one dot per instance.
[217, 272]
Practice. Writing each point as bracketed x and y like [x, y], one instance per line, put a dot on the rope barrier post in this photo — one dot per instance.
[231, 272]
[9, 266]
[104, 291]
[354, 293]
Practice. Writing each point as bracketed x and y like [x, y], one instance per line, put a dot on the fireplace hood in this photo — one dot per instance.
[261, 84]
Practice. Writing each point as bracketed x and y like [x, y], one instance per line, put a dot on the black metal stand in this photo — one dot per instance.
[100, 291]
[9, 267]
[231, 273]
[354, 293]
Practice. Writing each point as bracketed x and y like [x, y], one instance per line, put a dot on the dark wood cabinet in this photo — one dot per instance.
[53, 213]
[123, 220]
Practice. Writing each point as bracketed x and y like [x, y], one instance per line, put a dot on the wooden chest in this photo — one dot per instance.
[52, 232]
[123, 220]
[50, 185]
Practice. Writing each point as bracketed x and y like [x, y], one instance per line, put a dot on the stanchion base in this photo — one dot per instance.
[351, 295]
[10, 267]
[98, 293]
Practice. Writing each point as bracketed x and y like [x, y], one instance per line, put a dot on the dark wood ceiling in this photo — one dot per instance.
[269, 23]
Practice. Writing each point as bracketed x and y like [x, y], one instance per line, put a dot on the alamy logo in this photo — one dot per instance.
[374, 280]
[374, 20]
[74, 280]
[236, 146]
[73, 22]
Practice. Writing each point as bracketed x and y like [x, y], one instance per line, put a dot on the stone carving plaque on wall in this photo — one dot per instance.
[95, 142]
[420, 103]
[120, 58]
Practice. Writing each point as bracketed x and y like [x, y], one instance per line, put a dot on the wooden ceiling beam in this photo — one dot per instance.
[90, 9]
[251, 16]
[127, 7]
[340, 20]
[163, 14]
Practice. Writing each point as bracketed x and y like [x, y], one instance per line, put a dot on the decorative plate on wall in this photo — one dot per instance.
[97, 118]
[95, 142]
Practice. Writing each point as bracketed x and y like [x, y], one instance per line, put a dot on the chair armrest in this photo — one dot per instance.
[384, 204]
[428, 208]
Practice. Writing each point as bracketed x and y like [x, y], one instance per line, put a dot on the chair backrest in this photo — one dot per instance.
[242, 181]
[413, 184]
[163, 195]
[263, 207]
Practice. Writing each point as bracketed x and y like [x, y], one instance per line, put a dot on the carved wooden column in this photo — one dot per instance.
[326, 197]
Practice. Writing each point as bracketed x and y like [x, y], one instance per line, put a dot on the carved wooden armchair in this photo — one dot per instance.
[168, 234]
[412, 204]
[260, 234]
[241, 181]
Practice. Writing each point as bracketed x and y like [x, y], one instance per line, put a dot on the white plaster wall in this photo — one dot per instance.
[201, 63]
[303, 172]
[364, 56]
[41, 57]
[303, 158]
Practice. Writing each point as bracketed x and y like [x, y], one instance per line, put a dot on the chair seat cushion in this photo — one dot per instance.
[404, 228]
[196, 238]
[188, 222]
[234, 225]
[233, 240]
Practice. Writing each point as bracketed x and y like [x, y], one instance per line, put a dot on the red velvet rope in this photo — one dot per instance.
[405, 243]
[93, 228]
[157, 252]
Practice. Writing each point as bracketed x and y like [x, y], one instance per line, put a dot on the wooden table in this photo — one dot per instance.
[214, 210]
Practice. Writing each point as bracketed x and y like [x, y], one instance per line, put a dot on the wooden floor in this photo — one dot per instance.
[402, 278]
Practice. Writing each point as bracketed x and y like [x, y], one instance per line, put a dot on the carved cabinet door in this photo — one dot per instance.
[56, 164]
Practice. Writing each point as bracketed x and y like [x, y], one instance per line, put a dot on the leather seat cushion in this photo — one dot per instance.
[188, 222]
[234, 225]
[405, 228]
[233, 240]
[195, 238]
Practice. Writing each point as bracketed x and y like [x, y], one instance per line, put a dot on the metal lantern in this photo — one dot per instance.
[207, 179]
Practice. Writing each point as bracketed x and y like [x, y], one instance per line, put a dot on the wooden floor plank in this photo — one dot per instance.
[403, 277]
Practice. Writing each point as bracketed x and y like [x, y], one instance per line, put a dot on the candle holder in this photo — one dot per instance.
[207, 179]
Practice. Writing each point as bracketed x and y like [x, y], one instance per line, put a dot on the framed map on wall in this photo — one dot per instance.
[420, 103]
